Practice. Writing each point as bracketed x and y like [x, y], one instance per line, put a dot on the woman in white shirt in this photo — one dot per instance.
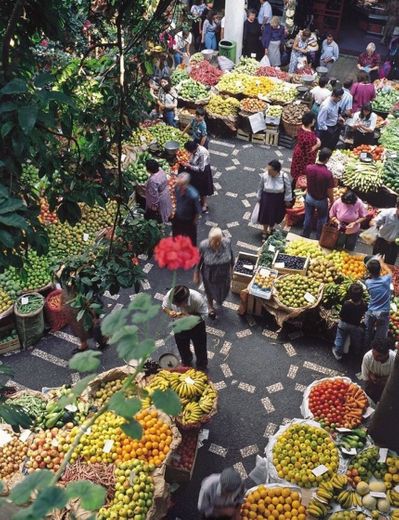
[364, 123]
[274, 195]
[183, 40]
[319, 94]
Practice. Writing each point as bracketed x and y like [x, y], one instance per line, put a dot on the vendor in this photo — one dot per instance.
[272, 40]
[167, 101]
[348, 213]
[183, 40]
[303, 50]
[364, 123]
[377, 365]
[387, 244]
[363, 91]
[251, 44]
[198, 129]
[221, 496]
[200, 170]
[158, 202]
[369, 61]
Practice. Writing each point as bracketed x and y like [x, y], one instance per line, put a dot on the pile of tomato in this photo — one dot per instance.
[326, 402]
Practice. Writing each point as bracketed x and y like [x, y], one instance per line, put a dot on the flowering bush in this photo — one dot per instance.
[176, 253]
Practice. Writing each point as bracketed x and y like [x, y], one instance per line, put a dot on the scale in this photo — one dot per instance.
[168, 360]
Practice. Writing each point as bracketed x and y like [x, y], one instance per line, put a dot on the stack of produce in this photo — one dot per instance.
[385, 99]
[335, 294]
[48, 448]
[197, 395]
[376, 152]
[391, 173]
[5, 300]
[302, 442]
[233, 83]
[337, 403]
[36, 276]
[394, 319]
[191, 90]
[259, 86]
[390, 135]
[137, 170]
[247, 66]
[292, 113]
[348, 265]
[337, 163]
[304, 248]
[272, 502]
[290, 261]
[274, 111]
[46, 216]
[223, 106]
[263, 282]
[353, 440]
[365, 177]
[105, 390]
[296, 291]
[101, 474]
[323, 270]
[253, 105]
[273, 72]
[197, 57]
[182, 156]
[275, 242]
[365, 465]
[163, 133]
[205, 73]
[327, 492]
[11, 336]
[134, 491]
[12, 455]
[141, 137]
[32, 405]
[179, 75]
[283, 93]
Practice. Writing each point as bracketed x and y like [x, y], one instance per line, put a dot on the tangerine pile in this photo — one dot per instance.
[107, 443]
[348, 265]
[276, 503]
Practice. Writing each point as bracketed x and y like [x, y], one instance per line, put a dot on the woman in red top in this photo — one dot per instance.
[369, 61]
[306, 147]
[363, 91]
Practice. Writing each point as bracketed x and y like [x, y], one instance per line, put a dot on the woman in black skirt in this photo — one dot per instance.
[200, 170]
[274, 195]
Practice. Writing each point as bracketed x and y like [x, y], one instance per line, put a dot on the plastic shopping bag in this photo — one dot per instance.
[369, 236]
[265, 62]
[255, 214]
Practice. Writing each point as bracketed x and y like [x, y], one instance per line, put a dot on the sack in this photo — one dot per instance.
[224, 63]
[265, 62]
[255, 214]
[329, 236]
[369, 236]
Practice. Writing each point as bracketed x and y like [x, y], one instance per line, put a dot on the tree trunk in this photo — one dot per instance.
[384, 426]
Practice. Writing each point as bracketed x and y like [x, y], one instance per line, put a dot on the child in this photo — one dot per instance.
[351, 315]
[198, 129]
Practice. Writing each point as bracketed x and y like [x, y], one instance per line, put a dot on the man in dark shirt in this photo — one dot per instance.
[319, 191]
[351, 315]
[188, 209]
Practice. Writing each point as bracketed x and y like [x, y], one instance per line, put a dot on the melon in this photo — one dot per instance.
[362, 488]
[377, 486]
[383, 505]
[369, 502]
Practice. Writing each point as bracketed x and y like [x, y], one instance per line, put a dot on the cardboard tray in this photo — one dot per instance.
[242, 277]
[286, 270]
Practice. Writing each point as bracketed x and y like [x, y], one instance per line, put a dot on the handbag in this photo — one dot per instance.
[329, 236]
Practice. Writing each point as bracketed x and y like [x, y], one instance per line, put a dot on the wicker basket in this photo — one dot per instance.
[285, 308]
[291, 129]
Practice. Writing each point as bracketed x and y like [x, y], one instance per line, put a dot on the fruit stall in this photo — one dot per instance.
[133, 471]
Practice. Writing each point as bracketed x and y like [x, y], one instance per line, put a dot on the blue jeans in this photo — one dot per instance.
[178, 59]
[343, 331]
[311, 205]
[169, 117]
[210, 41]
[377, 326]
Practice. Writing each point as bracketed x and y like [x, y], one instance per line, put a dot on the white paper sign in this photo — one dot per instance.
[189, 381]
[343, 430]
[309, 297]
[279, 265]
[378, 494]
[351, 451]
[250, 267]
[4, 438]
[383, 454]
[368, 412]
[320, 470]
[55, 443]
[71, 408]
[108, 445]
[253, 54]
[394, 307]
[25, 435]
[257, 122]
[58, 286]
[85, 237]
[24, 300]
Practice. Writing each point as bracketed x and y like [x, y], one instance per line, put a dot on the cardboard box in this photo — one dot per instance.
[176, 474]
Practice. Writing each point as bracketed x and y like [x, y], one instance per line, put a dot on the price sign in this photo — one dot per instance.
[272, 248]
[71, 408]
[25, 435]
[351, 451]
[250, 267]
[108, 445]
[253, 54]
[189, 381]
[320, 470]
[279, 265]
[85, 237]
[383, 454]
[5, 438]
[309, 297]
[368, 412]
[343, 430]
[378, 494]
[24, 300]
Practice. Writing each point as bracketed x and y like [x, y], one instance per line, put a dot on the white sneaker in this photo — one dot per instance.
[336, 355]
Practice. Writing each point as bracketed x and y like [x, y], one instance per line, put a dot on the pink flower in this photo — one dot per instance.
[44, 43]
[176, 253]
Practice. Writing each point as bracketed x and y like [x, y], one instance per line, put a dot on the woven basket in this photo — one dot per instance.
[30, 326]
[56, 317]
[297, 309]
[291, 129]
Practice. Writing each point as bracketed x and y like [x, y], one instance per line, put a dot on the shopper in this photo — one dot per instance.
[198, 128]
[300, 49]
[221, 496]
[272, 40]
[306, 147]
[209, 29]
[348, 213]
[181, 47]
[319, 94]
[274, 195]
[251, 44]
[167, 101]
[379, 288]
[320, 185]
[345, 105]
[377, 365]
[364, 123]
[350, 318]
[387, 243]
[215, 268]
[363, 91]
[158, 204]
[180, 302]
[196, 13]
[369, 61]
[329, 52]
[188, 209]
[200, 170]
[328, 120]
[265, 13]
[161, 69]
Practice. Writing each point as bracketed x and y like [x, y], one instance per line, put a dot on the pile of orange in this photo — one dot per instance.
[275, 503]
[348, 265]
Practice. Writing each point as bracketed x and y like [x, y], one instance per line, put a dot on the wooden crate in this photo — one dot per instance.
[11, 345]
[272, 135]
[259, 138]
[244, 136]
[240, 281]
[237, 286]
[174, 474]
[286, 270]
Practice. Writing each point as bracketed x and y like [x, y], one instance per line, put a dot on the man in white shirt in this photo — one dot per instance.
[387, 243]
[377, 365]
[320, 93]
[181, 47]
[178, 303]
[265, 12]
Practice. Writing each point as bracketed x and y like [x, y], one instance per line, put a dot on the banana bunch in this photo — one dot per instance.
[393, 497]
[192, 413]
[316, 509]
[395, 514]
[339, 482]
[207, 399]
[347, 499]
[324, 495]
